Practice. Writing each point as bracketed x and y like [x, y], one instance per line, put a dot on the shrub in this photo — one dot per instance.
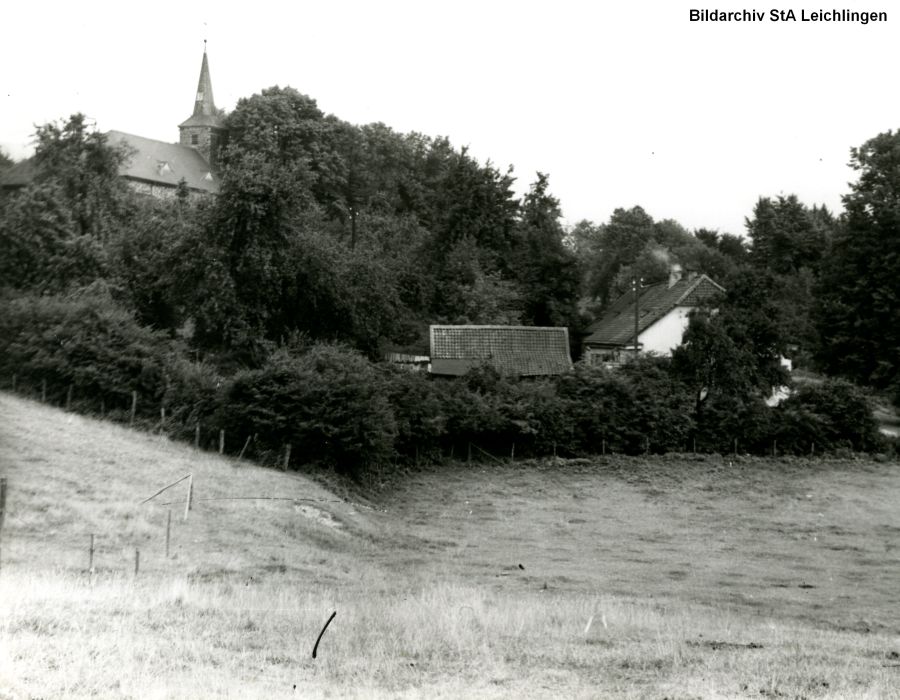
[832, 415]
[86, 341]
[330, 404]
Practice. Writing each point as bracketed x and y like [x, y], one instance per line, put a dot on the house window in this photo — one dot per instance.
[195, 139]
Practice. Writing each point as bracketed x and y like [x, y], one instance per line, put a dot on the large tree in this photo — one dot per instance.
[859, 309]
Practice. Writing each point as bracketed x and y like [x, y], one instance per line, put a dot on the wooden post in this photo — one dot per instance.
[554, 449]
[244, 448]
[137, 560]
[774, 448]
[512, 452]
[43, 391]
[168, 530]
[69, 398]
[603, 446]
[15, 377]
[695, 444]
[222, 441]
[735, 447]
[2, 507]
[133, 407]
[190, 496]
[91, 556]
[102, 407]
[197, 435]
[812, 448]
[162, 418]
[287, 456]
[469, 454]
[417, 455]
[646, 445]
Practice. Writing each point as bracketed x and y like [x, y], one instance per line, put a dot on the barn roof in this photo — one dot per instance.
[616, 326]
[512, 350]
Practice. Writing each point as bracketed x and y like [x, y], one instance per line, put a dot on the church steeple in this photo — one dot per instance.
[204, 129]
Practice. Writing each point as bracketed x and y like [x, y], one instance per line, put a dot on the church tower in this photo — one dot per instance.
[204, 130]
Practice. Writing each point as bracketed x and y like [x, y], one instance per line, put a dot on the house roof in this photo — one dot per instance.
[512, 350]
[156, 162]
[616, 326]
[164, 163]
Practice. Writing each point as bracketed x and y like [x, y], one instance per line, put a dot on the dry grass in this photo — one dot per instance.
[700, 579]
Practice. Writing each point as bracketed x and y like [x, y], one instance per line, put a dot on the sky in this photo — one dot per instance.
[621, 103]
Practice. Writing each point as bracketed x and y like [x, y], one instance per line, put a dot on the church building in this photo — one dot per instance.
[156, 167]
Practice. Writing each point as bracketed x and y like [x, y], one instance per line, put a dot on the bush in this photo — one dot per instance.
[832, 415]
[86, 341]
[330, 404]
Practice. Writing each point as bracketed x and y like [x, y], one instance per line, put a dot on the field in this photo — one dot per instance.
[679, 577]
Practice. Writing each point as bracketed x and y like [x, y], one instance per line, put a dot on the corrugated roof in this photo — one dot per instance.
[164, 163]
[511, 350]
[616, 326]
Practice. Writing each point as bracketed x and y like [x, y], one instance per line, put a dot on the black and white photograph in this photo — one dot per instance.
[449, 350]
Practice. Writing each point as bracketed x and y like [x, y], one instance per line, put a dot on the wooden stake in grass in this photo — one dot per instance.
[162, 417]
[735, 447]
[469, 454]
[133, 407]
[244, 448]
[137, 561]
[222, 441]
[512, 452]
[102, 407]
[603, 446]
[2, 507]
[43, 391]
[15, 377]
[69, 398]
[91, 556]
[197, 435]
[287, 456]
[190, 496]
[168, 530]
[774, 448]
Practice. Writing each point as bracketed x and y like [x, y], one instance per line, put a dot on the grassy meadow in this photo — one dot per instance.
[672, 577]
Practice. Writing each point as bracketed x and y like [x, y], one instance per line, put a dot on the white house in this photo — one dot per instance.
[662, 317]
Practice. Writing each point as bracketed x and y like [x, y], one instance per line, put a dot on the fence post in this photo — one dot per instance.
[2, 508]
[102, 407]
[15, 377]
[774, 448]
[695, 444]
[43, 391]
[603, 446]
[287, 456]
[69, 398]
[512, 452]
[197, 435]
[91, 556]
[735, 447]
[162, 418]
[646, 445]
[137, 560]
[221, 440]
[244, 448]
[469, 454]
[190, 496]
[133, 407]
[168, 530]
[812, 448]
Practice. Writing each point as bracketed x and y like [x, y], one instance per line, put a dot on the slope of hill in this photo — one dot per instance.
[613, 578]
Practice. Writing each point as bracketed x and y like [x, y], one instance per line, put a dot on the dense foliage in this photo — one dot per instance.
[263, 311]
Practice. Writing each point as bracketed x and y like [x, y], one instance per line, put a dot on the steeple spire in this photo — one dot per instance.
[204, 129]
[204, 104]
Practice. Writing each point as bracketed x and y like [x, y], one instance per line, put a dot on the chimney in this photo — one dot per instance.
[674, 274]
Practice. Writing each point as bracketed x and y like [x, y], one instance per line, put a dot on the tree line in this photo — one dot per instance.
[328, 232]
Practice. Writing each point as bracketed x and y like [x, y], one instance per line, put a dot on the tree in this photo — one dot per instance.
[858, 313]
[546, 269]
[84, 168]
[788, 236]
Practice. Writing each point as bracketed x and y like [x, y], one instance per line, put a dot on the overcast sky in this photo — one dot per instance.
[622, 103]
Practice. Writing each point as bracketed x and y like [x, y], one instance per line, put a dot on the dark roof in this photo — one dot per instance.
[19, 174]
[512, 350]
[205, 112]
[155, 162]
[162, 163]
[616, 326]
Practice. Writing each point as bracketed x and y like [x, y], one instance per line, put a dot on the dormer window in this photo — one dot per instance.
[162, 167]
[208, 177]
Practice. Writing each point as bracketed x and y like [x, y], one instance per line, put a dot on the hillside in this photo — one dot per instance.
[617, 577]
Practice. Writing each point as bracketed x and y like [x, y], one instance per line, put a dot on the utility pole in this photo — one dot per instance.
[636, 283]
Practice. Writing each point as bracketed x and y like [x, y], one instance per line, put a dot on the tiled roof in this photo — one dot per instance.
[164, 163]
[512, 350]
[616, 326]
[156, 162]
